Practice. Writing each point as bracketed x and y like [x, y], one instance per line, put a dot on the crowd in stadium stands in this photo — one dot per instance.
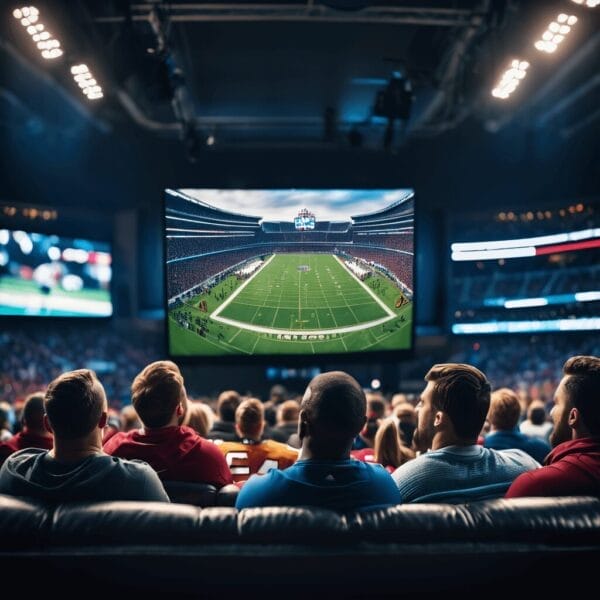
[472, 290]
[397, 242]
[542, 313]
[182, 247]
[490, 227]
[30, 359]
[187, 274]
[400, 265]
[460, 442]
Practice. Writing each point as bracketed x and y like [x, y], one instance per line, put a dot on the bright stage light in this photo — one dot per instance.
[510, 79]
[49, 46]
[555, 33]
[86, 82]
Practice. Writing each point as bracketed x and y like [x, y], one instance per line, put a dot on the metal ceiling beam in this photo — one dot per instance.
[450, 67]
[390, 15]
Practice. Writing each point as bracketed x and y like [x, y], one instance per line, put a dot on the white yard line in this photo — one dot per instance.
[261, 329]
[367, 288]
[229, 300]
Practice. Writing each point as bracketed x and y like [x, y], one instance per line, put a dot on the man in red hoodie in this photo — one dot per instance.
[573, 467]
[176, 453]
[34, 434]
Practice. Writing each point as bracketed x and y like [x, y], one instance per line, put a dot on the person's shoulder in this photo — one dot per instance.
[262, 490]
[116, 440]
[131, 466]
[515, 456]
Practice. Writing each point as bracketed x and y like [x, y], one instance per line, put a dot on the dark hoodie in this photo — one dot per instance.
[31, 472]
[571, 469]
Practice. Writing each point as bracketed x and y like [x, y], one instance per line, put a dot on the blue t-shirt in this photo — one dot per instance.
[504, 440]
[335, 484]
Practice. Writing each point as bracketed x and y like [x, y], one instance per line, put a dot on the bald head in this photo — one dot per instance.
[333, 412]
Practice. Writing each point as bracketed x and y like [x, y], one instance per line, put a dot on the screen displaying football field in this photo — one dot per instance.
[294, 304]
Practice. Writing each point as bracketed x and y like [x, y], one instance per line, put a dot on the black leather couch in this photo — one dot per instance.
[114, 548]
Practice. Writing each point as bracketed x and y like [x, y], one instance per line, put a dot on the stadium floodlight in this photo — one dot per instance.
[555, 33]
[88, 84]
[510, 79]
[588, 3]
[46, 43]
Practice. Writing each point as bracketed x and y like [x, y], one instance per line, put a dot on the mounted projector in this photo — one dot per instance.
[395, 101]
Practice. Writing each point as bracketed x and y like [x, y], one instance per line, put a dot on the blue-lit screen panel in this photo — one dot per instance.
[533, 272]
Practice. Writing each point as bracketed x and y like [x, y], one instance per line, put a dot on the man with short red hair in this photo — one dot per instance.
[176, 453]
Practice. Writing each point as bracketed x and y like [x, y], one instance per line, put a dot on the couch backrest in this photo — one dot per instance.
[29, 524]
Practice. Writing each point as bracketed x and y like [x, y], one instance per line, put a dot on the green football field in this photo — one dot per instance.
[294, 304]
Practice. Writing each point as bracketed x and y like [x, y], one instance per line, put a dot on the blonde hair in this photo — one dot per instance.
[505, 409]
[388, 449]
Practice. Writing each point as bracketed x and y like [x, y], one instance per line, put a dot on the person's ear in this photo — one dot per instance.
[47, 425]
[103, 420]
[237, 431]
[302, 425]
[574, 418]
[180, 409]
[438, 419]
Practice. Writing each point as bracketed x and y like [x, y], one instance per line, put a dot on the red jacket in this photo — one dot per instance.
[24, 439]
[571, 469]
[175, 453]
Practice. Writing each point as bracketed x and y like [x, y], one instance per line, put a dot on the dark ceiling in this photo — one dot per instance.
[286, 93]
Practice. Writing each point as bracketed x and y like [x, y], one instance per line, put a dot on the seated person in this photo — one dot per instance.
[33, 434]
[176, 453]
[287, 422]
[253, 454]
[224, 427]
[573, 467]
[332, 412]
[536, 424]
[76, 468]
[451, 414]
[503, 416]
[388, 449]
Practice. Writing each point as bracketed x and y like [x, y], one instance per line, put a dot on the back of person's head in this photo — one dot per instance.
[536, 412]
[197, 418]
[405, 412]
[277, 394]
[288, 412]
[33, 412]
[387, 448]
[505, 409]
[129, 418]
[227, 404]
[333, 409]
[157, 392]
[583, 387]
[250, 418]
[375, 406]
[74, 403]
[463, 393]
[398, 399]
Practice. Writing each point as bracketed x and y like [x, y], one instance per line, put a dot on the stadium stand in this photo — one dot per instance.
[204, 242]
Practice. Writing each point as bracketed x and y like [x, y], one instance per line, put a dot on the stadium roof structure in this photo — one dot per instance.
[207, 205]
[409, 196]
